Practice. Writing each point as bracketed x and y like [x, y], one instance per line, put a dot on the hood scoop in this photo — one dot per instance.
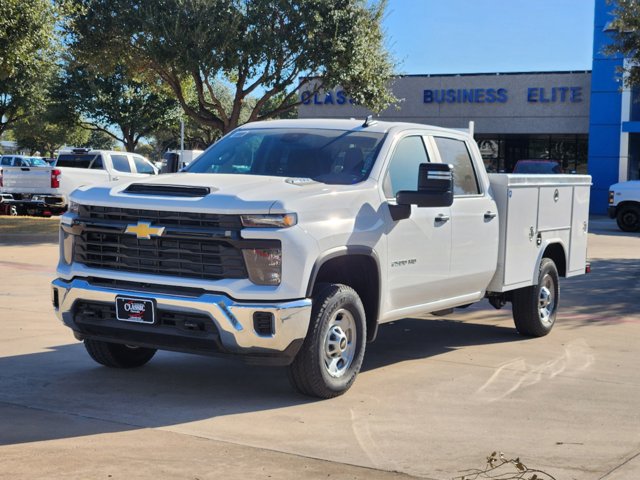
[300, 181]
[167, 190]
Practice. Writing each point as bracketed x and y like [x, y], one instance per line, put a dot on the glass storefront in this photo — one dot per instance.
[501, 152]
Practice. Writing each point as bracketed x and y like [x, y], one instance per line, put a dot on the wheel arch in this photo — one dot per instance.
[357, 267]
[556, 251]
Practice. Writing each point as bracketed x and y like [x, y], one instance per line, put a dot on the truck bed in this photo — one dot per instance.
[562, 215]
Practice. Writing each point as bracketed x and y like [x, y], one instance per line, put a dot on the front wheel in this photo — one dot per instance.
[116, 355]
[535, 307]
[628, 218]
[331, 356]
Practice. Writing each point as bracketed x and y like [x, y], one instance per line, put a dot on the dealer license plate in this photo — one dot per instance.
[137, 310]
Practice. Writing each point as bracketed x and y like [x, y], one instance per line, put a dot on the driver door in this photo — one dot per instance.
[418, 247]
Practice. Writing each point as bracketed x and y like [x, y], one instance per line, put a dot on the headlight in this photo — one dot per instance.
[264, 265]
[73, 207]
[278, 220]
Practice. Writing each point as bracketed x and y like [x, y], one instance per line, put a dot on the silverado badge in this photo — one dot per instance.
[144, 230]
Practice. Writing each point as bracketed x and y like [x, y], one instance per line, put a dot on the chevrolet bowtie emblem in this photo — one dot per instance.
[144, 230]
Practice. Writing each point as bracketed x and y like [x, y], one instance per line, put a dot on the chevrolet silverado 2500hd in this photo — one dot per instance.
[32, 189]
[289, 242]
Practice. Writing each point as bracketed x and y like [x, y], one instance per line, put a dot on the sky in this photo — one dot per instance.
[479, 36]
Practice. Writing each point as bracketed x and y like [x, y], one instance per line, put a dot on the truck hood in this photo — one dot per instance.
[228, 193]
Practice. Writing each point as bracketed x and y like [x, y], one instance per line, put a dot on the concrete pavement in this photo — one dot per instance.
[436, 395]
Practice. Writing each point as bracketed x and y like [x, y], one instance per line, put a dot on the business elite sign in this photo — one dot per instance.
[542, 95]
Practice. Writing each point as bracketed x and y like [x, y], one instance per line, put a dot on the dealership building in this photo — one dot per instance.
[582, 119]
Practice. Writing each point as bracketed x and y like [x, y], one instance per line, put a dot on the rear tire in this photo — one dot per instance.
[535, 307]
[628, 218]
[331, 356]
[115, 355]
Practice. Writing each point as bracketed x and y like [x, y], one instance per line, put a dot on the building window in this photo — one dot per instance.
[501, 152]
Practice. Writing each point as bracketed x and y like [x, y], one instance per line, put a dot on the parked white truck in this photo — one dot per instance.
[289, 242]
[33, 189]
[624, 205]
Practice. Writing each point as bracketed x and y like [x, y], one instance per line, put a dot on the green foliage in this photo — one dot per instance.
[263, 50]
[116, 100]
[98, 140]
[145, 150]
[50, 129]
[625, 30]
[28, 53]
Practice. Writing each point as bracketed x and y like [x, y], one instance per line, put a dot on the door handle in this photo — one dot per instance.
[441, 218]
[115, 179]
[490, 215]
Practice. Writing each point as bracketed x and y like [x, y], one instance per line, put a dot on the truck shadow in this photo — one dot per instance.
[411, 339]
[609, 294]
[61, 393]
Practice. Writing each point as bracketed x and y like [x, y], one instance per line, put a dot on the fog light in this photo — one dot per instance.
[264, 265]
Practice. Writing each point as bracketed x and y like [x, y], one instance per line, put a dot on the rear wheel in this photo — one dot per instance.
[535, 307]
[115, 355]
[628, 218]
[330, 358]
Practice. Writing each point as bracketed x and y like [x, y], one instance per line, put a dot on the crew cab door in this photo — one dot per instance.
[474, 220]
[122, 168]
[418, 247]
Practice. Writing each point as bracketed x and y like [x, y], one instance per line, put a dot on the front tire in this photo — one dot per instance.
[115, 355]
[331, 356]
[535, 307]
[628, 218]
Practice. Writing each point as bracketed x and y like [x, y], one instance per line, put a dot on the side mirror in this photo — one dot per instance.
[435, 189]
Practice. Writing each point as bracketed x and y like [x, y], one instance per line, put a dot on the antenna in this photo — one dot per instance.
[369, 121]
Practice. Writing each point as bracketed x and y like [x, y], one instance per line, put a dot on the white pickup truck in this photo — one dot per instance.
[288, 242]
[46, 189]
[624, 205]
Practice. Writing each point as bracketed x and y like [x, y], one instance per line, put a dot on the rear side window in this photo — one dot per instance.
[142, 166]
[121, 163]
[6, 161]
[92, 160]
[455, 152]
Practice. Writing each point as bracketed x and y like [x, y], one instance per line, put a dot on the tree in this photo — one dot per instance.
[625, 29]
[28, 49]
[115, 100]
[51, 128]
[266, 51]
[98, 140]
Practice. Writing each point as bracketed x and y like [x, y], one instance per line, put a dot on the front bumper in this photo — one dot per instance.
[203, 323]
[612, 211]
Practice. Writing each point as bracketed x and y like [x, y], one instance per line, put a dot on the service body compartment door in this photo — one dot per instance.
[521, 224]
[554, 207]
[579, 231]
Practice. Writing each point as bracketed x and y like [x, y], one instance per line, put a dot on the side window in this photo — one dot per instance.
[121, 163]
[404, 166]
[455, 152]
[142, 166]
[6, 161]
[96, 163]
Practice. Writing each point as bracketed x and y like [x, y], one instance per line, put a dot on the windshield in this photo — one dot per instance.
[327, 156]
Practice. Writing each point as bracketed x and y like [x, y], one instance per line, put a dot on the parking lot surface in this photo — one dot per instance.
[435, 397]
